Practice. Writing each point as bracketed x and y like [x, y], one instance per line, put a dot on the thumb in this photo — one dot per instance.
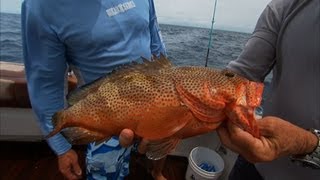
[225, 138]
[239, 136]
[267, 126]
[126, 138]
[236, 132]
[143, 146]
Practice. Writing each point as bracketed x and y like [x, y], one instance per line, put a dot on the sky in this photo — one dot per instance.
[234, 15]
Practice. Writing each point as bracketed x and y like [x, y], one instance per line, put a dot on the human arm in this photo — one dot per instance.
[278, 138]
[274, 21]
[259, 54]
[156, 44]
[45, 67]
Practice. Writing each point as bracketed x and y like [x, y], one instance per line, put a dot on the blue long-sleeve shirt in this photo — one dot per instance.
[93, 37]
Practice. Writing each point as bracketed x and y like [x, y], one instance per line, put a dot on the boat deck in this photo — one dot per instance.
[35, 161]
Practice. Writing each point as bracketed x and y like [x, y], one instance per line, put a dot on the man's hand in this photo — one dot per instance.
[127, 138]
[69, 165]
[278, 138]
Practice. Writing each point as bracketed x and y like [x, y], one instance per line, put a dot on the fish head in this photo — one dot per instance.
[253, 94]
[239, 90]
[242, 96]
[243, 110]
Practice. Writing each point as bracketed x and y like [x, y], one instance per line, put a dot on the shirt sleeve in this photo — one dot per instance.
[157, 46]
[45, 67]
[258, 56]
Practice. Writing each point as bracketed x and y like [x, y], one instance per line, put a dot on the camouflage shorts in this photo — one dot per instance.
[107, 161]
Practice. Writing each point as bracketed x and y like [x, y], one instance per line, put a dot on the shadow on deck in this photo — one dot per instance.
[35, 161]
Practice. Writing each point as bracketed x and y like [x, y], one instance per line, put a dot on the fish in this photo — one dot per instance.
[160, 102]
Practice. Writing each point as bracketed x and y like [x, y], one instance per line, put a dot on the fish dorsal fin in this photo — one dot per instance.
[156, 63]
[152, 65]
[83, 91]
[158, 149]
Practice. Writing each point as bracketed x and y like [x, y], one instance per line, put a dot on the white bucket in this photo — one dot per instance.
[202, 156]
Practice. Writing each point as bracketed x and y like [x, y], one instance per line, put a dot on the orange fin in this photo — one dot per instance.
[102, 141]
[208, 112]
[58, 122]
[78, 135]
[146, 66]
[118, 73]
[83, 91]
[159, 149]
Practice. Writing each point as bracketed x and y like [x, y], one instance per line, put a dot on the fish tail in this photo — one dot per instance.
[57, 122]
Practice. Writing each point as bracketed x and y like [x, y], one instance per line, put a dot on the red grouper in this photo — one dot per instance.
[159, 102]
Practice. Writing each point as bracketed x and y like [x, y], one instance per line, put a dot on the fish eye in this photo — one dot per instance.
[229, 74]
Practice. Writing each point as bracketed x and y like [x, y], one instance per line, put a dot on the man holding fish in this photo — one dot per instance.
[286, 41]
[92, 37]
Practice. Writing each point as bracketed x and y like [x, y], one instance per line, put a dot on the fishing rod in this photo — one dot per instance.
[211, 32]
[220, 149]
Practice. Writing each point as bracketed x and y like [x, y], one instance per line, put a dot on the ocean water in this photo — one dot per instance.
[185, 45]
[10, 38]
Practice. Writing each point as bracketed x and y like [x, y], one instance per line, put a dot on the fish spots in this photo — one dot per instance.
[156, 100]
[229, 74]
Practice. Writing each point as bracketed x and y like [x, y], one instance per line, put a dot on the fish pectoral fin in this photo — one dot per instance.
[158, 149]
[201, 109]
[78, 135]
[97, 143]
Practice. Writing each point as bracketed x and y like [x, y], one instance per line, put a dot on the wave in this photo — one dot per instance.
[185, 45]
